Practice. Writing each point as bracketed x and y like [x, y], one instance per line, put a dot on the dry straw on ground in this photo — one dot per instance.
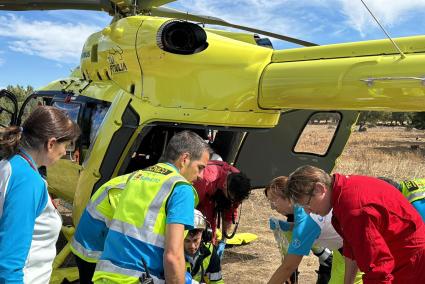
[392, 152]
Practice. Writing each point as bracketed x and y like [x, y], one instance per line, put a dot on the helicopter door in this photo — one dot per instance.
[301, 137]
[62, 177]
[8, 108]
[30, 103]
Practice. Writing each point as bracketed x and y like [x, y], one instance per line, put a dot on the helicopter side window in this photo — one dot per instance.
[318, 133]
[96, 119]
[89, 115]
[94, 114]
[73, 110]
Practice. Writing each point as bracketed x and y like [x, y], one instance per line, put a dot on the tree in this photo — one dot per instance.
[372, 117]
[401, 118]
[20, 92]
[6, 106]
[418, 120]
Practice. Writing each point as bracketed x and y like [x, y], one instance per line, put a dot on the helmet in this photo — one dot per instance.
[201, 223]
[199, 220]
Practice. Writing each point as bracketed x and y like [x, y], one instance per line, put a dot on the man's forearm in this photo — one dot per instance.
[288, 266]
[174, 267]
[174, 264]
[350, 271]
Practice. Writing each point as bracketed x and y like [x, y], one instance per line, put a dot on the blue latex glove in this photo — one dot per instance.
[274, 223]
[188, 278]
[220, 248]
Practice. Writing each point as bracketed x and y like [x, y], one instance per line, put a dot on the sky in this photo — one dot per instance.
[38, 47]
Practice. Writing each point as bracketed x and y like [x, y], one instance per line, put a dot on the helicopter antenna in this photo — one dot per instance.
[393, 42]
[135, 7]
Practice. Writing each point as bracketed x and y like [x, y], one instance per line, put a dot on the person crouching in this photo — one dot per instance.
[202, 260]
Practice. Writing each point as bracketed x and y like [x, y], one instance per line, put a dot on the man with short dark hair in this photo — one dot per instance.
[221, 190]
[146, 234]
[202, 260]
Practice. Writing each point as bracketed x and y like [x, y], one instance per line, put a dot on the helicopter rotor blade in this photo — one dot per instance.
[25, 5]
[167, 12]
[146, 4]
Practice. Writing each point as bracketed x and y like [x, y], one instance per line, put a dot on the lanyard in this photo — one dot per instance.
[26, 158]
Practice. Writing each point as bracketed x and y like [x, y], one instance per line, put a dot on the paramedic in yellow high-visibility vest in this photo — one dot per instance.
[146, 234]
[413, 190]
[90, 233]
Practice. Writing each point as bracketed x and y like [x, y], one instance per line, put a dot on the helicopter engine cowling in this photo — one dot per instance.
[181, 37]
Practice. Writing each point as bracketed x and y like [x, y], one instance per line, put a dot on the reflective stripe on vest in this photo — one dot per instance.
[86, 253]
[92, 206]
[145, 233]
[415, 196]
[141, 215]
[205, 263]
[102, 196]
[106, 265]
[214, 276]
[413, 189]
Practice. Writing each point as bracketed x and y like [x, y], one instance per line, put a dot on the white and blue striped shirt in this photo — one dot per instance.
[29, 224]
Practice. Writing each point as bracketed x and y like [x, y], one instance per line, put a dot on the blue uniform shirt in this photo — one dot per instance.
[420, 207]
[304, 234]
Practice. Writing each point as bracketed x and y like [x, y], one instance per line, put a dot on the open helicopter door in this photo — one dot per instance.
[8, 108]
[62, 177]
[301, 137]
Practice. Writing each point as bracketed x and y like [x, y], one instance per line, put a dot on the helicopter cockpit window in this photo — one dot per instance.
[318, 133]
[73, 111]
[96, 119]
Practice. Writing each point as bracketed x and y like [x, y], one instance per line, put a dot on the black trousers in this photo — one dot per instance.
[85, 269]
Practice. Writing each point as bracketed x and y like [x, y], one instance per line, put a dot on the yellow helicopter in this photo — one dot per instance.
[155, 71]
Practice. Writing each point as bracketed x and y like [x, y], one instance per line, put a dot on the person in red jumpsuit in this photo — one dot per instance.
[221, 190]
[383, 234]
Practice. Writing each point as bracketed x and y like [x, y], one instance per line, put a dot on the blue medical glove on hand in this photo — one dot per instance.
[189, 280]
[275, 223]
[220, 248]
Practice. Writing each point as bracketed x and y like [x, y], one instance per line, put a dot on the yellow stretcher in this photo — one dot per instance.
[238, 239]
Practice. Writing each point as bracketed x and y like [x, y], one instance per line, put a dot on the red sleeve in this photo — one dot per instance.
[365, 244]
[347, 250]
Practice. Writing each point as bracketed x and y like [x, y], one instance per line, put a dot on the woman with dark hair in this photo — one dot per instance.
[29, 223]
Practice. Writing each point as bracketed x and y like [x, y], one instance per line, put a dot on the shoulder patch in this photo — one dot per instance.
[411, 185]
[296, 243]
[158, 170]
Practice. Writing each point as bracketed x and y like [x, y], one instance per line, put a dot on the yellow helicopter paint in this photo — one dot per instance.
[231, 83]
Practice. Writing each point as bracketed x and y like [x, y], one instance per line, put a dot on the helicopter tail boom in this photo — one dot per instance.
[353, 76]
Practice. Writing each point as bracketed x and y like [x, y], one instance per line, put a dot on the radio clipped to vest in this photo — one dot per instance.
[146, 277]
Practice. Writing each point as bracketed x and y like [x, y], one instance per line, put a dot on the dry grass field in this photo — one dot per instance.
[393, 152]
